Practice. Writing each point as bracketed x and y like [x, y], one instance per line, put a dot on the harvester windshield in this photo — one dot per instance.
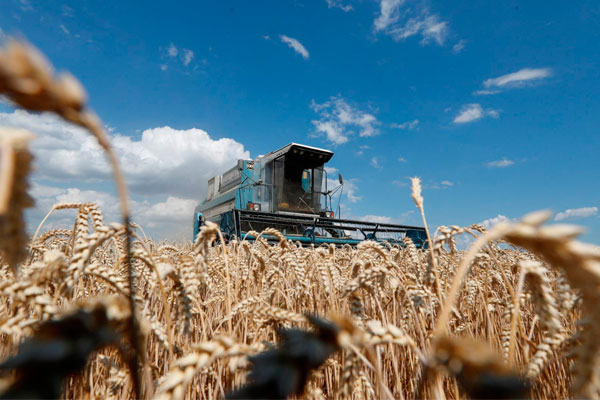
[298, 183]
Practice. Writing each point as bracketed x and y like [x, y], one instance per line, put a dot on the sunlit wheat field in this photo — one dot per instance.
[98, 310]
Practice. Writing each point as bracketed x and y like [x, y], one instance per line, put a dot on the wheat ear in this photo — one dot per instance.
[14, 169]
[27, 78]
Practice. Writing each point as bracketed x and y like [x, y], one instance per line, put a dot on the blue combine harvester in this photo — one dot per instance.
[287, 190]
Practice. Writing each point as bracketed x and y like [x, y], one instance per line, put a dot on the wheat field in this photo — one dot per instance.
[512, 316]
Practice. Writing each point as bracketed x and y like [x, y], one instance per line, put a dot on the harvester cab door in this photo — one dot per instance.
[307, 181]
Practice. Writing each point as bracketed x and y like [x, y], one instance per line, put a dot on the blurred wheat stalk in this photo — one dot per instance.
[26, 77]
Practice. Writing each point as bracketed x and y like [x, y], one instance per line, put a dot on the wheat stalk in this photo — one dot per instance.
[15, 167]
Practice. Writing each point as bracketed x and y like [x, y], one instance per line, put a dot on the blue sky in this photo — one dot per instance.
[495, 105]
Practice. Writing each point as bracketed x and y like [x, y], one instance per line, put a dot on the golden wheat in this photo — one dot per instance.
[409, 322]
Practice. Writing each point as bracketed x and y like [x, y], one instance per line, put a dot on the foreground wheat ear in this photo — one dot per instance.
[27, 78]
[15, 165]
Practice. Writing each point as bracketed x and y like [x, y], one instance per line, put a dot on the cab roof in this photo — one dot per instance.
[320, 155]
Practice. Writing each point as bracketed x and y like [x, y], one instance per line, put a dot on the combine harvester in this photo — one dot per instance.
[287, 190]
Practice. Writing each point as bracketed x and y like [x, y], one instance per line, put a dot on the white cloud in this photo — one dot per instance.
[339, 4]
[295, 45]
[169, 219]
[409, 125]
[166, 170]
[26, 5]
[64, 29]
[388, 15]
[402, 159]
[434, 30]
[184, 56]
[459, 46]
[188, 56]
[173, 210]
[402, 24]
[485, 92]
[519, 78]
[491, 222]
[438, 185]
[162, 161]
[503, 163]
[582, 212]
[400, 183]
[351, 190]
[5, 101]
[331, 170]
[386, 219]
[337, 118]
[380, 219]
[376, 163]
[333, 131]
[67, 11]
[473, 112]
[172, 50]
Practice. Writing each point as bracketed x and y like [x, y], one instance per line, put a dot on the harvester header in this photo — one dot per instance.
[287, 190]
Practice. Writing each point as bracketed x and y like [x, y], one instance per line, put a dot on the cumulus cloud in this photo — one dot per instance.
[502, 163]
[491, 222]
[169, 219]
[351, 190]
[334, 132]
[408, 125]
[173, 210]
[163, 160]
[338, 119]
[331, 170]
[295, 45]
[339, 4]
[165, 168]
[582, 212]
[473, 112]
[402, 24]
[517, 79]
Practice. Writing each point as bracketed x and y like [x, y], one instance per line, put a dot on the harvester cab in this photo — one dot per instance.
[287, 190]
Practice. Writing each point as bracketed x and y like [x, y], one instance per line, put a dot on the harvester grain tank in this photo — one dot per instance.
[287, 190]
